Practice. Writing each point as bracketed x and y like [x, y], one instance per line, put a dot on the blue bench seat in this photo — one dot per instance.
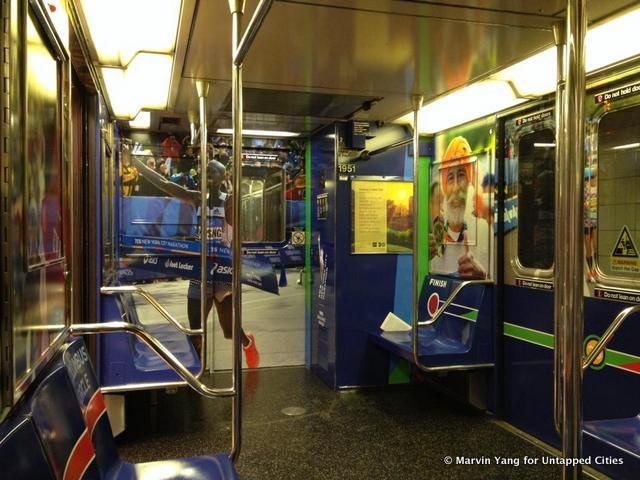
[21, 454]
[146, 360]
[621, 433]
[193, 468]
[61, 430]
[125, 359]
[462, 336]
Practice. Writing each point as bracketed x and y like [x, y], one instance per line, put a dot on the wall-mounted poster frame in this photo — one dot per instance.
[381, 215]
[43, 146]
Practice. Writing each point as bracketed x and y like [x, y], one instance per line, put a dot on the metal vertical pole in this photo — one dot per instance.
[559, 34]
[570, 288]
[202, 88]
[417, 104]
[237, 10]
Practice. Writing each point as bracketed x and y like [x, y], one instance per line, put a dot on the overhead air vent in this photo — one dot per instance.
[171, 124]
[170, 121]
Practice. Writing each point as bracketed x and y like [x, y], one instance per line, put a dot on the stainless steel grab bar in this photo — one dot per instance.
[154, 303]
[607, 336]
[451, 298]
[431, 321]
[559, 35]
[157, 347]
[253, 27]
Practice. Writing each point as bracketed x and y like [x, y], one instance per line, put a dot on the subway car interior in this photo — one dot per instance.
[421, 226]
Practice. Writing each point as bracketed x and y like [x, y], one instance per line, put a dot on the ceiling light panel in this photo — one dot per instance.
[142, 120]
[121, 28]
[260, 133]
[474, 101]
[143, 84]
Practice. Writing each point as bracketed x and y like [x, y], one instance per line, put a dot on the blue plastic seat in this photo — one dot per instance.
[21, 454]
[146, 360]
[194, 468]
[621, 433]
[62, 431]
[463, 335]
[126, 359]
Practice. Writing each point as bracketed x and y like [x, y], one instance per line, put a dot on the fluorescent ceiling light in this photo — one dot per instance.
[142, 120]
[544, 145]
[612, 41]
[121, 28]
[605, 44]
[260, 133]
[144, 83]
[475, 101]
[628, 146]
[534, 76]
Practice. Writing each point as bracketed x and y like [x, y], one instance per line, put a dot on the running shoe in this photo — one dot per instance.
[251, 354]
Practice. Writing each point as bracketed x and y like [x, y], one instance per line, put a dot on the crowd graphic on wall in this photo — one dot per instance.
[169, 228]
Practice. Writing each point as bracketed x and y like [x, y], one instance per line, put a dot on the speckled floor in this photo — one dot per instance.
[403, 432]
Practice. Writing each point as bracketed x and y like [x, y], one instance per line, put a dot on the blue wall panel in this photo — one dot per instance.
[351, 294]
[368, 285]
[323, 260]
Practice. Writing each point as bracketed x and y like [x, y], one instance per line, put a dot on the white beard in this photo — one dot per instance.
[455, 215]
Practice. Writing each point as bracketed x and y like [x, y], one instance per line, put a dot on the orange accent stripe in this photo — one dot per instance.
[632, 367]
[95, 409]
[80, 458]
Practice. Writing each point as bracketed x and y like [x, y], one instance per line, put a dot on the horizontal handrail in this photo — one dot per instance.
[607, 336]
[154, 303]
[153, 343]
[138, 386]
[451, 298]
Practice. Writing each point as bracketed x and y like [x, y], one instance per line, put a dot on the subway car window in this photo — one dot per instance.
[536, 153]
[263, 204]
[252, 207]
[617, 179]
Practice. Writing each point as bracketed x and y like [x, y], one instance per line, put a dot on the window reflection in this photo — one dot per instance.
[262, 204]
[615, 183]
[536, 154]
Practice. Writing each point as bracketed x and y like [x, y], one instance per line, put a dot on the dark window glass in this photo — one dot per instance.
[262, 204]
[615, 184]
[536, 154]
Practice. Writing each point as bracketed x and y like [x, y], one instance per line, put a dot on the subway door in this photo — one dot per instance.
[611, 393]
[527, 306]
[82, 194]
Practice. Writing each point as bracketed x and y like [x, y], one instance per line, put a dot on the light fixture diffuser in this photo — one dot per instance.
[142, 120]
[121, 28]
[144, 83]
[605, 44]
[260, 133]
[475, 101]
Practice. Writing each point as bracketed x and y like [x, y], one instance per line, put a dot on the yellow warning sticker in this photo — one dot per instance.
[624, 257]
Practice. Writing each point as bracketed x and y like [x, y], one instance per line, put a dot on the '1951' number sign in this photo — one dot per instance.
[346, 168]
